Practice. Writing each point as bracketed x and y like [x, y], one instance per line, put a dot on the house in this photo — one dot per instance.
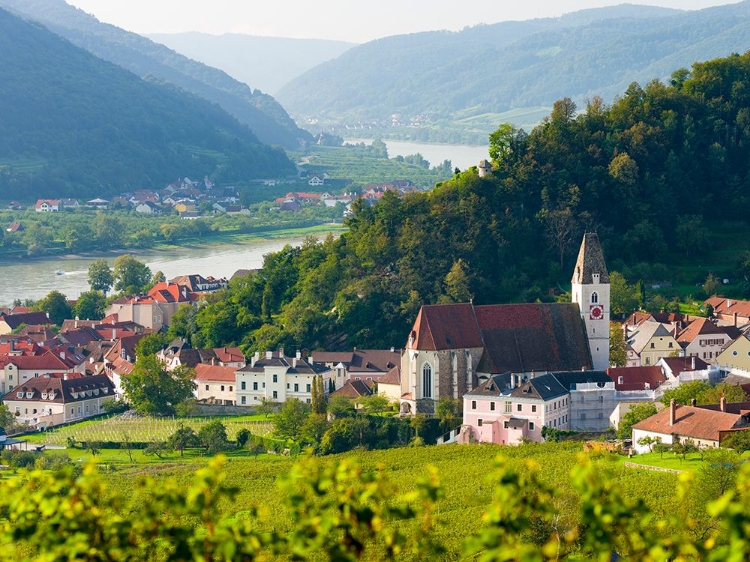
[14, 227]
[730, 312]
[736, 355]
[148, 208]
[199, 284]
[276, 377]
[10, 322]
[15, 370]
[215, 384]
[48, 206]
[154, 310]
[70, 203]
[702, 338]
[679, 370]
[49, 401]
[390, 385]
[674, 321]
[98, 203]
[677, 424]
[506, 410]
[354, 389]
[651, 342]
[190, 215]
[316, 180]
[369, 365]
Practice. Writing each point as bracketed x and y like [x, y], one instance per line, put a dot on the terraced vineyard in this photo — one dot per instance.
[146, 429]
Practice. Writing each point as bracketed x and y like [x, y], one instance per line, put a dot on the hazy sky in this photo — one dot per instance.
[347, 20]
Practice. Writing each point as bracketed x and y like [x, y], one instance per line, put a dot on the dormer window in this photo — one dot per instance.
[105, 390]
[44, 395]
[20, 394]
[30, 394]
[96, 392]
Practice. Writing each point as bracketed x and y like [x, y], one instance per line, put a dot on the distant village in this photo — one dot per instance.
[188, 198]
[519, 370]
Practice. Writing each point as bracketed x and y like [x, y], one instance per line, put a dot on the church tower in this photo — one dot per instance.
[591, 293]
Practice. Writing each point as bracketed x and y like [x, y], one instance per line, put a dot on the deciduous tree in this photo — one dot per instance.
[151, 389]
[130, 274]
[100, 276]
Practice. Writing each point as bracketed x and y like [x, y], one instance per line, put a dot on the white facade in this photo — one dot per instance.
[278, 379]
[593, 300]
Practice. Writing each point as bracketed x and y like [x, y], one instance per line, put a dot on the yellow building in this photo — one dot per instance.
[736, 354]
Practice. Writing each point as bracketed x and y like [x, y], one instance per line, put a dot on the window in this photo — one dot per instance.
[309, 401]
[479, 422]
[206, 387]
[276, 378]
[508, 407]
[275, 395]
[492, 406]
[243, 385]
[473, 404]
[426, 380]
[255, 386]
[519, 407]
[583, 415]
[308, 388]
[296, 387]
[653, 345]
[601, 399]
[734, 353]
[533, 408]
[222, 388]
[531, 426]
[594, 298]
[288, 386]
[231, 389]
[505, 425]
[648, 361]
[670, 345]
[243, 400]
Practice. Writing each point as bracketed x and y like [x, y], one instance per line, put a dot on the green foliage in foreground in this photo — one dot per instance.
[342, 510]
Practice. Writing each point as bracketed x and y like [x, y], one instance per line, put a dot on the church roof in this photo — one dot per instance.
[445, 326]
[590, 261]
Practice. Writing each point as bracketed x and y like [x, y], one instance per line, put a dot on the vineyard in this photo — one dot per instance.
[146, 429]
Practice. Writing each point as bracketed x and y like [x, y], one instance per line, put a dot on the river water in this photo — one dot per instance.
[461, 156]
[34, 279]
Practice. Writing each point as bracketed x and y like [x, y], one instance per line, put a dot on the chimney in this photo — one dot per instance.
[299, 354]
[734, 317]
[281, 352]
[65, 376]
[692, 362]
[294, 362]
[693, 402]
[672, 411]
[723, 404]
[269, 354]
[114, 334]
[393, 349]
[62, 355]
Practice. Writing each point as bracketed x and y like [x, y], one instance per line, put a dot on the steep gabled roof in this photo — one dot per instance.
[698, 327]
[637, 378]
[590, 261]
[34, 318]
[647, 331]
[353, 389]
[538, 337]
[392, 377]
[445, 326]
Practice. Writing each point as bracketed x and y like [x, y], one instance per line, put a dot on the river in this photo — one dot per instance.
[34, 279]
[461, 156]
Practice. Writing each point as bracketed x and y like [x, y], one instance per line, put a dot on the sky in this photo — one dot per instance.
[356, 21]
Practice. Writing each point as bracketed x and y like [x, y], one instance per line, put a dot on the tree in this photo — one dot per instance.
[130, 274]
[618, 353]
[289, 421]
[158, 277]
[448, 410]
[684, 448]
[151, 344]
[737, 440]
[266, 406]
[624, 298]
[55, 304]
[90, 305]
[159, 449]
[314, 428]
[101, 277]
[456, 284]
[561, 228]
[340, 406]
[635, 414]
[318, 395]
[213, 436]
[418, 422]
[711, 285]
[374, 403]
[7, 419]
[153, 390]
[183, 438]
[501, 142]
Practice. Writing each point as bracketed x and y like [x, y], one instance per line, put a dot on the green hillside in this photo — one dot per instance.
[261, 112]
[76, 126]
[448, 77]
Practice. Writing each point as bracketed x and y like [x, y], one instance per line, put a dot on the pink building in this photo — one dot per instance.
[506, 409]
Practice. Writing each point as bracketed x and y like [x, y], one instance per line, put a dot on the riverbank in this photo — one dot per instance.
[208, 240]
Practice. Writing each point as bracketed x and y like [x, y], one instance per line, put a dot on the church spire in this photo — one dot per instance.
[590, 262]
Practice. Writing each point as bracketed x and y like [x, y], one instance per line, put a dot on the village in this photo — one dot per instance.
[520, 372]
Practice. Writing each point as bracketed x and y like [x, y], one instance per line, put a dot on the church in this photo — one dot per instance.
[452, 349]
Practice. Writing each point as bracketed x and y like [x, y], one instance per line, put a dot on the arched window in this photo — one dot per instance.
[594, 298]
[426, 380]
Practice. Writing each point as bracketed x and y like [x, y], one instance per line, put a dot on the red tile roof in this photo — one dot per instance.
[214, 373]
[698, 327]
[691, 422]
[637, 378]
[446, 326]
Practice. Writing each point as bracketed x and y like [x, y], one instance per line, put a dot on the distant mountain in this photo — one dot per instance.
[74, 125]
[266, 63]
[472, 79]
[261, 112]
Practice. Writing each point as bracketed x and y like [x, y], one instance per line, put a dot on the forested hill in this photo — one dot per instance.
[466, 79]
[261, 112]
[263, 62]
[74, 125]
[663, 175]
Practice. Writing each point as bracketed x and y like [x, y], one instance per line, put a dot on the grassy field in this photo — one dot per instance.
[144, 429]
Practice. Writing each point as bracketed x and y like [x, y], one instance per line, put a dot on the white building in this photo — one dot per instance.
[278, 378]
